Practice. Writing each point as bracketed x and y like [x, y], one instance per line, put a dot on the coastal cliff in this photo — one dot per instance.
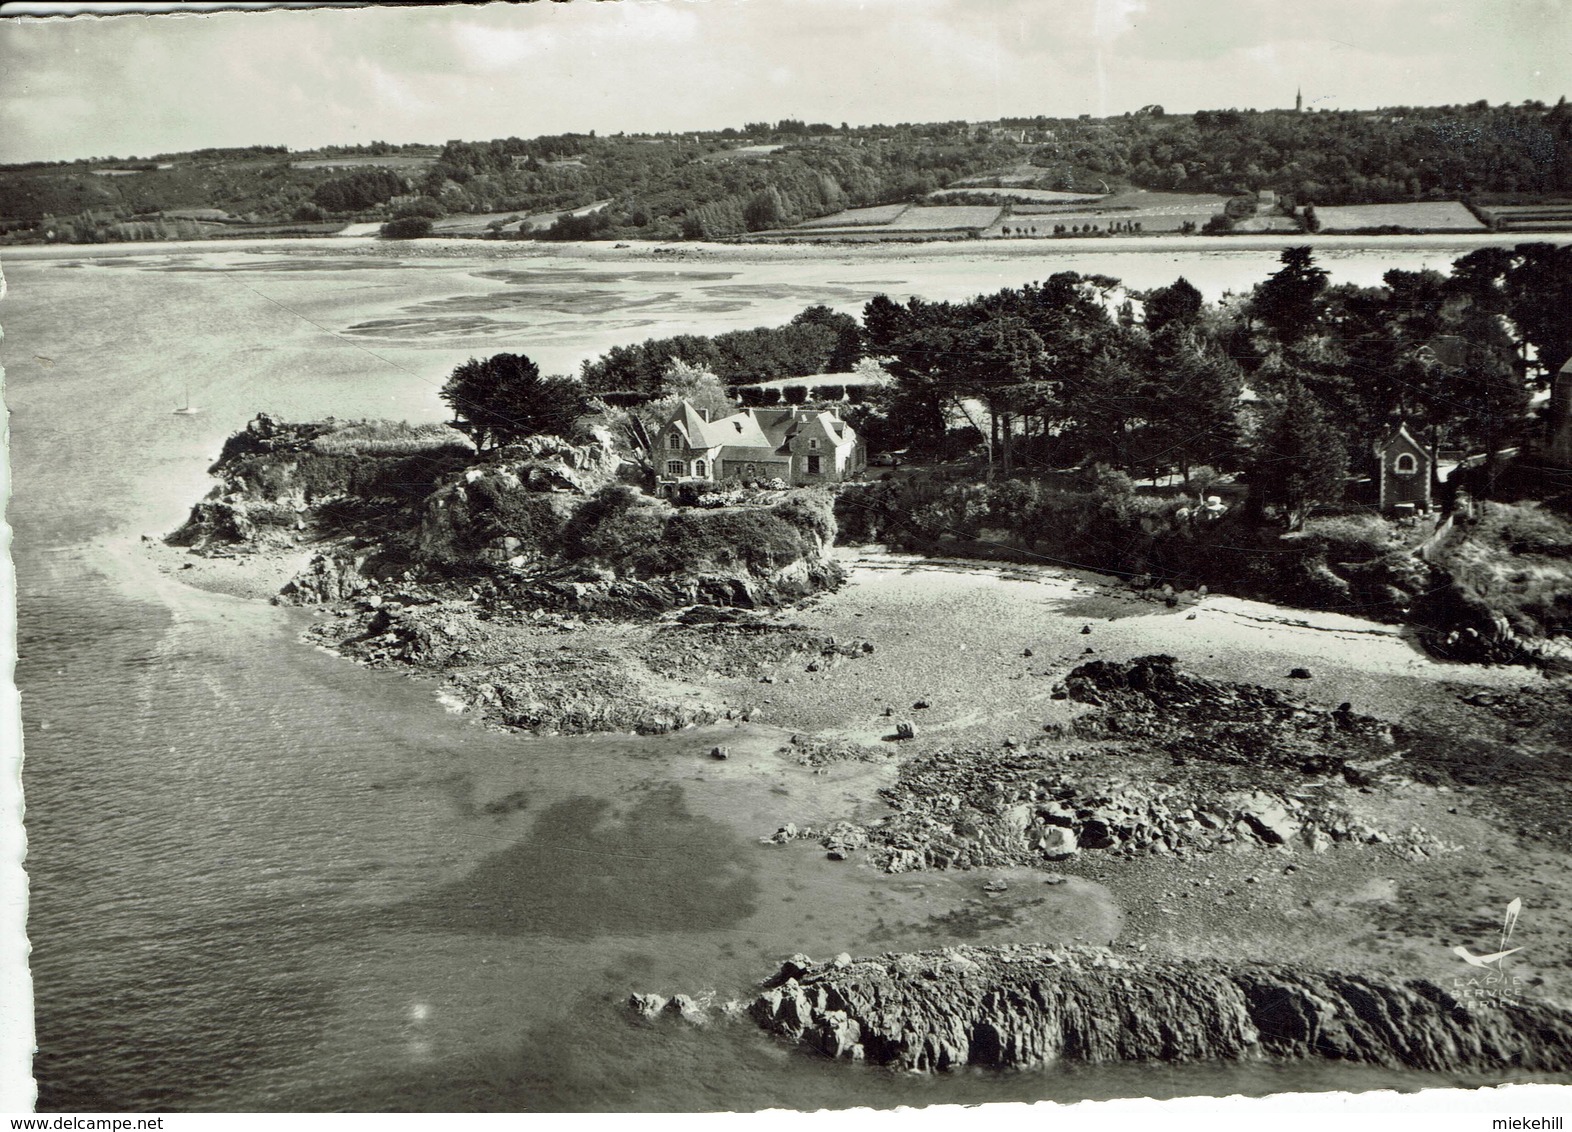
[542, 524]
[520, 575]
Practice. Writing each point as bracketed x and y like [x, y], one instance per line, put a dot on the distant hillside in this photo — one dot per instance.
[767, 177]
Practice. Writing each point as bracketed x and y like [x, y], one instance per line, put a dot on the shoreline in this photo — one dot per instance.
[951, 634]
[1006, 248]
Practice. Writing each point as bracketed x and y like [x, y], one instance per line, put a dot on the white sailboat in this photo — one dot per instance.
[188, 409]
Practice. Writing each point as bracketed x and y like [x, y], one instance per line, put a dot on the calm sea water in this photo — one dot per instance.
[265, 878]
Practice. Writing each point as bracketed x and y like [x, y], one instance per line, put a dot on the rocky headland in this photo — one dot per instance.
[536, 579]
[1295, 819]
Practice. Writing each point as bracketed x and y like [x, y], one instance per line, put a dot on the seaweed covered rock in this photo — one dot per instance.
[1030, 1005]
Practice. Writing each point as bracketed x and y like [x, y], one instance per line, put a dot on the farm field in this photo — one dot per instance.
[472, 225]
[1530, 217]
[894, 221]
[852, 217]
[1156, 204]
[1418, 216]
[1023, 174]
[742, 152]
[196, 214]
[942, 218]
[1154, 212]
[1267, 223]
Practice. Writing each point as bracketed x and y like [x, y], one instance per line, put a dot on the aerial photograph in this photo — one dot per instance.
[674, 557]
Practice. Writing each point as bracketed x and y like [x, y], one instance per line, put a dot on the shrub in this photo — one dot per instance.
[795, 394]
[612, 524]
[1524, 528]
[757, 397]
[385, 438]
[757, 539]
[407, 228]
[1349, 538]
[500, 510]
[812, 511]
[425, 206]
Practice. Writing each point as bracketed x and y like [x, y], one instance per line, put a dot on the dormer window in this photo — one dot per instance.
[674, 440]
[1405, 464]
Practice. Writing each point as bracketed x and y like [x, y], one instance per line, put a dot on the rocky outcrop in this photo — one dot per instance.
[327, 578]
[508, 512]
[979, 809]
[546, 523]
[1030, 1005]
[284, 482]
[644, 597]
[505, 673]
[578, 694]
[230, 521]
[1165, 764]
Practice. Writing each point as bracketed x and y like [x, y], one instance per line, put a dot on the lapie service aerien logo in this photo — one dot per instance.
[1490, 982]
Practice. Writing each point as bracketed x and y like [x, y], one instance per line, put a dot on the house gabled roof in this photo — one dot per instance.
[698, 432]
[1398, 436]
[769, 430]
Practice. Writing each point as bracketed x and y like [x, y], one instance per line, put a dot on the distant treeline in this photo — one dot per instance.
[709, 185]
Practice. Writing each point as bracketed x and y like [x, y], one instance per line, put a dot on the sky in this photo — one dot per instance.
[134, 85]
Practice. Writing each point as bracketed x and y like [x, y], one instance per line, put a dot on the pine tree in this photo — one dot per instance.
[1286, 302]
[1299, 460]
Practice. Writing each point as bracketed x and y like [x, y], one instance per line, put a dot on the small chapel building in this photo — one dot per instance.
[1404, 472]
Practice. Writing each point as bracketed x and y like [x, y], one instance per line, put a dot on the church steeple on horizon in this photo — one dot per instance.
[1299, 100]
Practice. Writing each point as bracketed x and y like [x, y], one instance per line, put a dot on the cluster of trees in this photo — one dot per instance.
[818, 340]
[358, 191]
[1338, 157]
[1077, 370]
[710, 199]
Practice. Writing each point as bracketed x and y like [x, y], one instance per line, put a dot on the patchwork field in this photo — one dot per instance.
[1530, 217]
[1418, 216]
[1139, 200]
[1023, 174]
[742, 152]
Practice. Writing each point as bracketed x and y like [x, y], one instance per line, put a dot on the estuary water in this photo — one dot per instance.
[264, 878]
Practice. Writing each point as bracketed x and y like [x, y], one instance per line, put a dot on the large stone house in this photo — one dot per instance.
[799, 446]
